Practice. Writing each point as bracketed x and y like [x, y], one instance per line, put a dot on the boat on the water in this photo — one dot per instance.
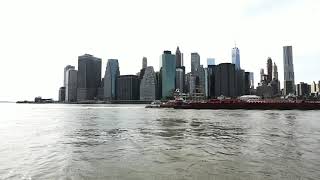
[249, 104]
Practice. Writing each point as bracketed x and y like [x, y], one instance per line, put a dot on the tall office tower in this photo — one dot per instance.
[179, 61]
[89, 77]
[180, 79]
[64, 74]
[110, 79]
[269, 70]
[71, 85]
[251, 80]
[289, 84]
[302, 89]
[148, 85]
[314, 87]
[275, 71]
[195, 62]
[211, 61]
[262, 75]
[201, 76]
[236, 57]
[144, 62]
[225, 80]
[247, 83]
[128, 87]
[211, 81]
[192, 83]
[187, 82]
[158, 85]
[168, 74]
[240, 82]
[206, 83]
[62, 94]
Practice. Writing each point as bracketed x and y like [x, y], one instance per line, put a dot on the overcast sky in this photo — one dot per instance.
[39, 37]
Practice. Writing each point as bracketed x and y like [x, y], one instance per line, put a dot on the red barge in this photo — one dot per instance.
[255, 104]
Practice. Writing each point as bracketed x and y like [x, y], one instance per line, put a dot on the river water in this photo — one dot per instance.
[54, 141]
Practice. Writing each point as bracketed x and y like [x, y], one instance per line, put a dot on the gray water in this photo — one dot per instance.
[130, 142]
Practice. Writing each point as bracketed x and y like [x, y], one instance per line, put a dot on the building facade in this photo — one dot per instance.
[168, 74]
[65, 73]
[225, 80]
[71, 85]
[179, 58]
[289, 84]
[236, 57]
[148, 85]
[144, 62]
[110, 79]
[269, 70]
[89, 77]
[195, 62]
[62, 94]
[180, 79]
[128, 87]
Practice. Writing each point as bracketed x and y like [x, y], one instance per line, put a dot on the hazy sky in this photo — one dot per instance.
[39, 37]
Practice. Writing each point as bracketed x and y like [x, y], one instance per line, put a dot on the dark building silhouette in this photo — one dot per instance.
[247, 84]
[179, 58]
[240, 82]
[128, 87]
[62, 94]
[211, 81]
[89, 77]
[225, 77]
[269, 70]
[158, 85]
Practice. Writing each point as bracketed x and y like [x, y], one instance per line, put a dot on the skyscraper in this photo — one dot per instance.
[179, 61]
[289, 84]
[64, 74]
[180, 79]
[144, 62]
[168, 73]
[225, 74]
[269, 70]
[127, 87]
[195, 62]
[148, 85]
[62, 94]
[89, 77]
[236, 57]
[71, 85]
[275, 71]
[110, 79]
[211, 61]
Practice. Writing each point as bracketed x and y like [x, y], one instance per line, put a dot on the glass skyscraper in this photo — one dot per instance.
[236, 57]
[168, 73]
[110, 79]
[289, 85]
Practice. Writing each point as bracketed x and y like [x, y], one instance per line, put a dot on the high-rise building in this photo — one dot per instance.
[128, 87]
[71, 85]
[168, 74]
[202, 80]
[269, 70]
[314, 87]
[148, 85]
[275, 71]
[89, 77]
[158, 85]
[195, 62]
[247, 83]
[251, 80]
[211, 81]
[262, 75]
[225, 80]
[180, 79]
[144, 62]
[110, 79]
[206, 83]
[289, 84]
[192, 83]
[236, 57]
[179, 58]
[64, 74]
[62, 94]
[302, 89]
[211, 61]
[240, 82]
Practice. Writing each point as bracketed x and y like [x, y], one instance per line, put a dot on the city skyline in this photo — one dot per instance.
[37, 47]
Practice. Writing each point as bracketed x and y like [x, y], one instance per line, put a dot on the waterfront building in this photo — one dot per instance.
[264, 90]
[225, 80]
[64, 73]
[314, 87]
[127, 87]
[144, 62]
[247, 83]
[71, 85]
[89, 77]
[275, 72]
[206, 83]
[187, 82]
[110, 79]
[180, 79]
[195, 62]
[269, 70]
[148, 85]
[211, 61]
[236, 57]
[251, 80]
[179, 58]
[158, 85]
[201, 80]
[303, 89]
[211, 80]
[168, 74]
[289, 85]
[192, 83]
[240, 82]
[62, 94]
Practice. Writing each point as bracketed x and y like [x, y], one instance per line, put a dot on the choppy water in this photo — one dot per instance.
[131, 142]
